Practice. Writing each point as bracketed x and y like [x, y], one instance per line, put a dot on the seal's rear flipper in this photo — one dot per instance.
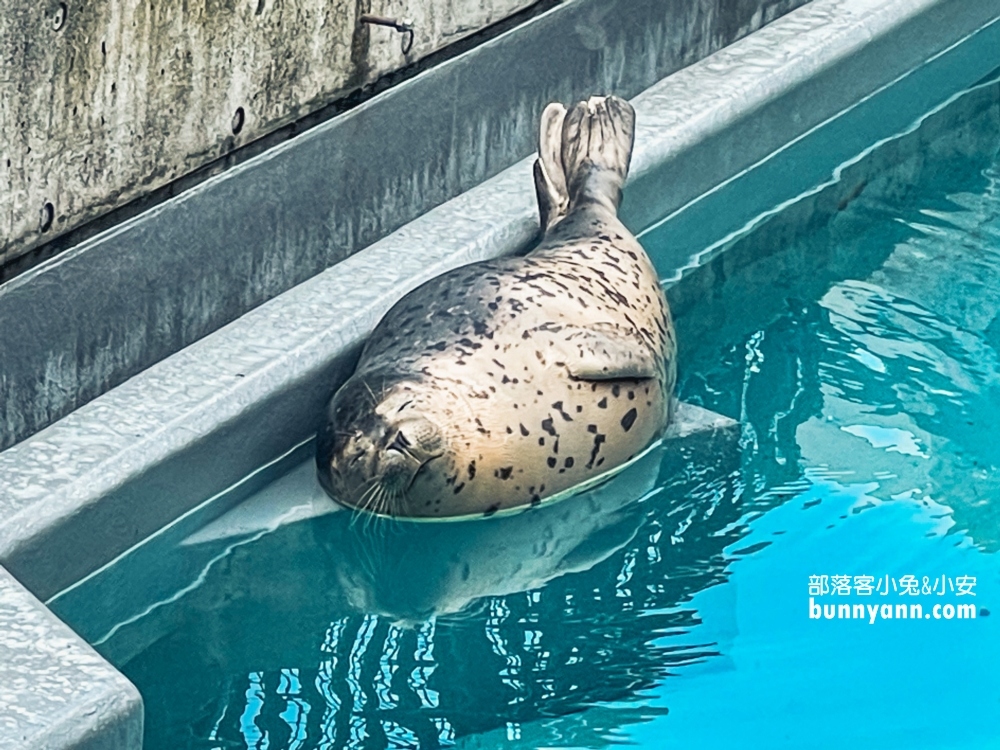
[597, 138]
[550, 179]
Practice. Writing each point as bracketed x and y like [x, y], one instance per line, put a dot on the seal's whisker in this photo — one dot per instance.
[391, 509]
[377, 507]
[364, 499]
[388, 503]
[374, 507]
[375, 542]
[373, 503]
[363, 514]
[371, 393]
[394, 504]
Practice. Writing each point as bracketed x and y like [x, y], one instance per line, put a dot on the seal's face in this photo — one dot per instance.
[371, 448]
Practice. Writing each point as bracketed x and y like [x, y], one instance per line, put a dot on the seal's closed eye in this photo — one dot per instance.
[377, 461]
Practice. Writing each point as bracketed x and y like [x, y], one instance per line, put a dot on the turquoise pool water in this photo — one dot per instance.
[856, 337]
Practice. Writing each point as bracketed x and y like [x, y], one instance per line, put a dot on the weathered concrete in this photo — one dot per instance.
[103, 101]
[103, 311]
[56, 691]
[119, 468]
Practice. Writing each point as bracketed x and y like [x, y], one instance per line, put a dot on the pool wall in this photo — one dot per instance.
[100, 480]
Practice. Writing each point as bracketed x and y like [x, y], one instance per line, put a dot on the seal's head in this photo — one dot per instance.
[372, 446]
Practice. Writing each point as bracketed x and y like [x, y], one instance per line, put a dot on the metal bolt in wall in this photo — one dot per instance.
[239, 118]
[59, 17]
[46, 216]
[403, 27]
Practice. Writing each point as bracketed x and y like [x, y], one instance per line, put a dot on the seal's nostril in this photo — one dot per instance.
[400, 443]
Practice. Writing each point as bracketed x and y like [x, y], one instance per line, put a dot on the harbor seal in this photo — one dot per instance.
[504, 382]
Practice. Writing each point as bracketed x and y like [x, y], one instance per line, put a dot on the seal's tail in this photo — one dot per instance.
[583, 155]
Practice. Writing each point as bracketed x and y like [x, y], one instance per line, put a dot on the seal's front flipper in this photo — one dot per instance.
[550, 178]
[603, 352]
[689, 419]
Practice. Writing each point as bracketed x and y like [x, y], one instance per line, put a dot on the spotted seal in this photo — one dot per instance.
[507, 381]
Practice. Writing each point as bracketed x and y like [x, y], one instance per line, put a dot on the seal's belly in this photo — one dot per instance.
[541, 432]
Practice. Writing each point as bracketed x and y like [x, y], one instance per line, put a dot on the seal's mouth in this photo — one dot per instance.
[401, 469]
[421, 469]
[390, 493]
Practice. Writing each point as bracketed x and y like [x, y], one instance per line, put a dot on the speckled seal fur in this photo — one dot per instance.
[503, 382]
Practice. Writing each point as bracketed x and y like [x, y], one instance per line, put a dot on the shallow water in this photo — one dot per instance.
[670, 607]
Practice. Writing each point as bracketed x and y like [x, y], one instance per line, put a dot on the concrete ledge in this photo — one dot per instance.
[113, 472]
[55, 690]
[843, 75]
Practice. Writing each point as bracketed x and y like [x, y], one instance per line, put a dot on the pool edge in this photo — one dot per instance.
[78, 700]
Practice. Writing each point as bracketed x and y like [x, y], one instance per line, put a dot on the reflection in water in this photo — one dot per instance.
[895, 361]
[408, 634]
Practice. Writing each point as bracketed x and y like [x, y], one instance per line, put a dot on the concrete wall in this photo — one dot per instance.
[102, 101]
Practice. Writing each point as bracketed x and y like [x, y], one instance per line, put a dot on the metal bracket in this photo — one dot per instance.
[401, 26]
